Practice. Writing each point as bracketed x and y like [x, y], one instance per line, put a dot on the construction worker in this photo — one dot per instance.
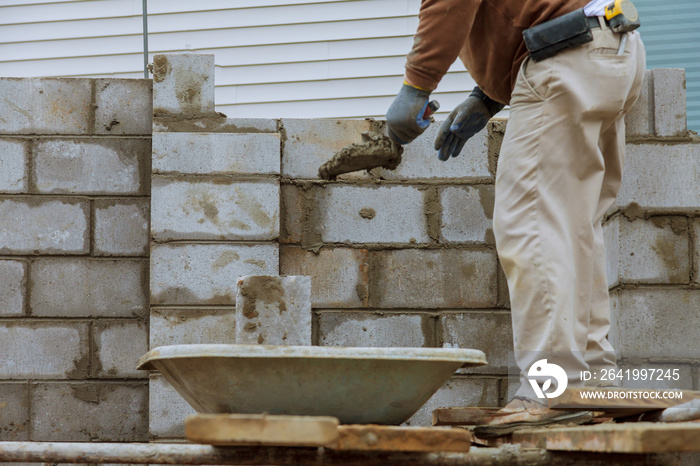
[559, 169]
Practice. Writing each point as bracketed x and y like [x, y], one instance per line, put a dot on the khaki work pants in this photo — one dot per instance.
[559, 171]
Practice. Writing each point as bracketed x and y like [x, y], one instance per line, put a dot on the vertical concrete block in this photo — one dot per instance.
[467, 214]
[192, 326]
[661, 176]
[611, 234]
[13, 166]
[13, 287]
[450, 278]
[200, 210]
[458, 391]
[339, 276]
[419, 160]
[96, 166]
[123, 106]
[121, 227]
[89, 288]
[167, 410]
[206, 273]
[14, 412]
[34, 225]
[217, 153]
[695, 236]
[658, 323]
[118, 346]
[45, 105]
[654, 251]
[183, 84]
[43, 350]
[387, 214]
[486, 331]
[669, 102]
[639, 122]
[293, 212]
[273, 310]
[89, 411]
[361, 329]
[310, 143]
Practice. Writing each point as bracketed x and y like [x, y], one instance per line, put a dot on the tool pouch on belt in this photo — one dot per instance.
[546, 39]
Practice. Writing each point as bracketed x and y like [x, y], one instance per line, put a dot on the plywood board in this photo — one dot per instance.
[462, 416]
[633, 437]
[260, 429]
[619, 401]
[391, 438]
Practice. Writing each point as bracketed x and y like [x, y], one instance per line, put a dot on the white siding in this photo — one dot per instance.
[274, 58]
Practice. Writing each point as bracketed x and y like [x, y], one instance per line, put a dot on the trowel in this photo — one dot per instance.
[375, 150]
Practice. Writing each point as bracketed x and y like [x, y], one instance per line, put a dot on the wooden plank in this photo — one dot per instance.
[619, 401]
[261, 429]
[634, 437]
[392, 438]
[462, 416]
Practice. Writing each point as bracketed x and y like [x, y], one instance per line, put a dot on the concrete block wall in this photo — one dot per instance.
[396, 258]
[652, 238]
[74, 210]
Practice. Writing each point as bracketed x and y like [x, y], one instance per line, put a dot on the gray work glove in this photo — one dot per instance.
[404, 118]
[467, 119]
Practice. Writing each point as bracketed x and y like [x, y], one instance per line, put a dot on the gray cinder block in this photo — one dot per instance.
[273, 310]
[183, 84]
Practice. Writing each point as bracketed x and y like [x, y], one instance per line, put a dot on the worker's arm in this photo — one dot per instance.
[440, 36]
[467, 119]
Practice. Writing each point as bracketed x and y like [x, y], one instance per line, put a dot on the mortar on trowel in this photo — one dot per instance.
[376, 150]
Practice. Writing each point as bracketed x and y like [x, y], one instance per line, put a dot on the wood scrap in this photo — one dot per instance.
[462, 416]
[393, 438]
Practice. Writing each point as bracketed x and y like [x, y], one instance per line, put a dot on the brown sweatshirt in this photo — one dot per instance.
[487, 35]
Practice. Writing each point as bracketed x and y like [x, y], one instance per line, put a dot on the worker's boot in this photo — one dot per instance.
[523, 413]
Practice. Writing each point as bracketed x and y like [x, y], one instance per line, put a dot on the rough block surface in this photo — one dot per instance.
[467, 214]
[122, 227]
[273, 310]
[89, 288]
[14, 412]
[339, 276]
[44, 226]
[13, 166]
[43, 350]
[13, 287]
[167, 409]
[486, 331]
[654, 251]
[215, 210]
[669, 102]
[216, 123]
[90, 411]
[216, 153]
[183, 84]
[192, 326]
[97, 166]
[611, 233]
[639, 121]
[118, 346]
[206, 273]
[658, 323]
[661, 176]
[415, 278]
[696, 248]
[310, 143]
[388, 214]
[123, 106]
[458, 391]
[45, 105]
[362, 329]
[419, 160]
